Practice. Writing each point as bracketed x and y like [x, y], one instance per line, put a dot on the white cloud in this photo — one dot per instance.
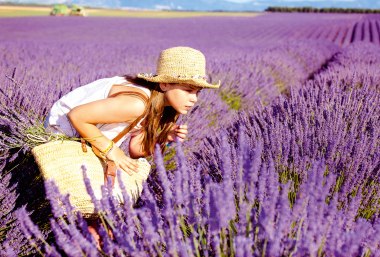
[316, 1]
[98, 3]
[259, 2]
[171, 6]
[162, 7]
[240, 1]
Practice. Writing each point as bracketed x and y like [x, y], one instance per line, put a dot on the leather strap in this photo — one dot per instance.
[132, 92]
[110, 171]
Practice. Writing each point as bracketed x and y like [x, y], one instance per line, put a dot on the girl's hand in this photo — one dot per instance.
[179, 131]
[122, 161]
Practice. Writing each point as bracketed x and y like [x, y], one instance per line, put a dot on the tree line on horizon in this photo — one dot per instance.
[320, 10]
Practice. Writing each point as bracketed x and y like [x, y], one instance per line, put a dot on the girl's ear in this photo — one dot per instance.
[164, 86]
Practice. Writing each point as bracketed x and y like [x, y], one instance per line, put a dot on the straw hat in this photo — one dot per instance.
[180, 65]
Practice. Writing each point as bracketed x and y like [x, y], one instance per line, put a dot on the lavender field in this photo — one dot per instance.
[282, 160]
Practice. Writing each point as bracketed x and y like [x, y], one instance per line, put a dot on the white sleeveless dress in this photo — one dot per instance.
[57, 121]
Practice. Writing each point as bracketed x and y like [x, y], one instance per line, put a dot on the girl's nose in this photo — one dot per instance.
[194, 98]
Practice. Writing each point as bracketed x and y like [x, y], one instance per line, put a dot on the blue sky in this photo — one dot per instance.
[228, 5]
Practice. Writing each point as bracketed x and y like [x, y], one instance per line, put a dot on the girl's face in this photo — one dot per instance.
[182, 97]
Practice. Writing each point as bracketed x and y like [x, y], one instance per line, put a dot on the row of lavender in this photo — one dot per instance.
[288, 136]
[331, 121]
[341, 29]
[244, 213]
[67, 45]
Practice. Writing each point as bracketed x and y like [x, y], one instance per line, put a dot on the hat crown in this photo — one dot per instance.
[180, 64]
[181, 61]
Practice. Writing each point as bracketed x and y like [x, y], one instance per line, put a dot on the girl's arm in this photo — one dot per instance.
[135, 146]
[122, 108]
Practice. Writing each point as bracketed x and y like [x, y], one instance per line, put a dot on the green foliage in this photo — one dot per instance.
[169, 159]
[213, 120]
[60, 9]
[231, 98]
[369, 208]
[339, 183]
[37, 134]
[287, 174]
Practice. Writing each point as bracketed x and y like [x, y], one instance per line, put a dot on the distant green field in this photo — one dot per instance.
[19, 11]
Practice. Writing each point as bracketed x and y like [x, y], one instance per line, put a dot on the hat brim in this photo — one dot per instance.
[169, 79]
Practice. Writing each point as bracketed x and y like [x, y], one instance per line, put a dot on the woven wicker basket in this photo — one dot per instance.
[61, 161]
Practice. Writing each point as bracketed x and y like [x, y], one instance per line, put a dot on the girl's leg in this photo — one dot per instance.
[93, 228]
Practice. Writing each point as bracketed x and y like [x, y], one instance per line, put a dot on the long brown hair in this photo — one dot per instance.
[159, 119]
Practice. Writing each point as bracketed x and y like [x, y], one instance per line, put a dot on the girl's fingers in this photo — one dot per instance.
[184, 126]
[171, 137]
[181, 139]
[133, 166]
[181, 130]
[129, 166]
[181, 135]
[126, 169]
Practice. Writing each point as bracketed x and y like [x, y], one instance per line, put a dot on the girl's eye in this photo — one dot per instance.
[193, 91]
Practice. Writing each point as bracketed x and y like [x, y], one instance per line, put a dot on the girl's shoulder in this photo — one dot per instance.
[132, 93]
[123, 85]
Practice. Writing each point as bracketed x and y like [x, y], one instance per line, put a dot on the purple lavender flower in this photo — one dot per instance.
[12, 240]
[297, 118]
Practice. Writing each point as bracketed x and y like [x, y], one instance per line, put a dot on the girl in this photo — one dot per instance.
[99, 111]
[148, 105]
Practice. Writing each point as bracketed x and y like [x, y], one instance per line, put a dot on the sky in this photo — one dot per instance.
[209, 5]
